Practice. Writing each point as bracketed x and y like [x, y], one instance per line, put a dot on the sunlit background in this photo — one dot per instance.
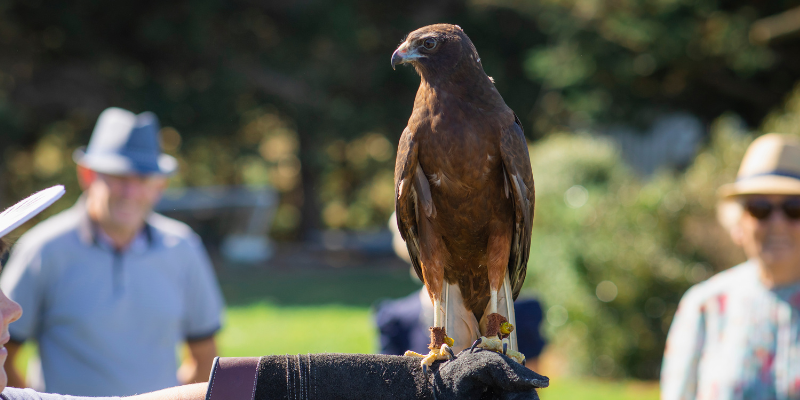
[285, 117]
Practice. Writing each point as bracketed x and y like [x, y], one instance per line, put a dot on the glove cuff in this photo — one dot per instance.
[340, 376]
[233, 378]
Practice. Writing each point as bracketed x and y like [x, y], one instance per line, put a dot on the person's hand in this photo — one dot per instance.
[484, 374]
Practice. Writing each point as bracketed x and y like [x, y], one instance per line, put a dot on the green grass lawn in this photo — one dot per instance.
[593, 389]
[297, 312]
[263, 329]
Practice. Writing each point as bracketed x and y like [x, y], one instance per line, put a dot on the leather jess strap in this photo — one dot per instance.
[233, 378]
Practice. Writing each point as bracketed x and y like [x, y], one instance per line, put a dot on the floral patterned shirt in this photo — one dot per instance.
[732, 338]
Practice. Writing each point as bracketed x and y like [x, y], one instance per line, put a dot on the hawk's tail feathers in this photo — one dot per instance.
[460, 323]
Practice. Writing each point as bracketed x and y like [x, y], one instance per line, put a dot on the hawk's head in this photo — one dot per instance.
[438, 49]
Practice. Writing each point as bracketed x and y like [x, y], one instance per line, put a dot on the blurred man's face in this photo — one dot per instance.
[770, 230]
[121, 202]
[10, 311]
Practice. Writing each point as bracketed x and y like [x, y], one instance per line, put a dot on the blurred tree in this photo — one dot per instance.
[612, 255]
[209, 68]
[217, 73]
[299, 94]
[626, 60]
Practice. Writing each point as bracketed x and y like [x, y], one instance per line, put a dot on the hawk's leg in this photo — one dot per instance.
[440, 343]
[497, 327]
[496, 338]
[433, 256]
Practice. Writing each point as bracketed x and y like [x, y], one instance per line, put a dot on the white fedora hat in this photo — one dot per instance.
[125, 143]
[25, 209]
[771, 165]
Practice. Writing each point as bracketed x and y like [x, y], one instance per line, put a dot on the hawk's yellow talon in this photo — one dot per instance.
[430, 358]
[506, 328]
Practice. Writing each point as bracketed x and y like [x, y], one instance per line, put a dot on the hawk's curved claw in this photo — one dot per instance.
[449, 350]
[523, 362]
[475, 344]
[497, 345]
[424, 369]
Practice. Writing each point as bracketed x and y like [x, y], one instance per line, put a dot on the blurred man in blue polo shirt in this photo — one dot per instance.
[109, 288]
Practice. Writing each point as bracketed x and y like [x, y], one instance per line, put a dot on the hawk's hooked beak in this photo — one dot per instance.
[403, 55]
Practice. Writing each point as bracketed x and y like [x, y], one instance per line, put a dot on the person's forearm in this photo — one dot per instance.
[197, 365]
[195, 391]
[533, 364]
[203, 369]
[14, 378]
[194, 371]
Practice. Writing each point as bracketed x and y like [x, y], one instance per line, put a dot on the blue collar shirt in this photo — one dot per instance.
[108, 322]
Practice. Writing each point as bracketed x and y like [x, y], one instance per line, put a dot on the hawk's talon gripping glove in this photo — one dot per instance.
[471, 375]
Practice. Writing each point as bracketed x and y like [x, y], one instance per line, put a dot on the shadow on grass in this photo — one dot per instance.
[347, 286]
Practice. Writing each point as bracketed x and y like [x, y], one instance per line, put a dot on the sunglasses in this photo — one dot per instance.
[762, 209]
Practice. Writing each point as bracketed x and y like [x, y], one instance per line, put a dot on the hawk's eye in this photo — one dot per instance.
[429, 43]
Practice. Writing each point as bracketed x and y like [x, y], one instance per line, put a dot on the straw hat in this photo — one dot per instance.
[771, 165]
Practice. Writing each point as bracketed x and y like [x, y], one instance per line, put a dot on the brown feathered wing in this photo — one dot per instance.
[406, 198]
[519, 178]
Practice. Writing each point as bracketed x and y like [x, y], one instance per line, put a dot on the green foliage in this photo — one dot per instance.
[785, 119]
[666, 53]
[611, 254]
[301, 95]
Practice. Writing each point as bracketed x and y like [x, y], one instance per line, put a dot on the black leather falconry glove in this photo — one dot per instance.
[477, 375]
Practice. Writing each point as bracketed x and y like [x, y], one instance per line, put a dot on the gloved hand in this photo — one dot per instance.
[477, 375]
[485, 374]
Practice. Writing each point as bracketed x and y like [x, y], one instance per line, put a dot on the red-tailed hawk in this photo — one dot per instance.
[464, 193]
